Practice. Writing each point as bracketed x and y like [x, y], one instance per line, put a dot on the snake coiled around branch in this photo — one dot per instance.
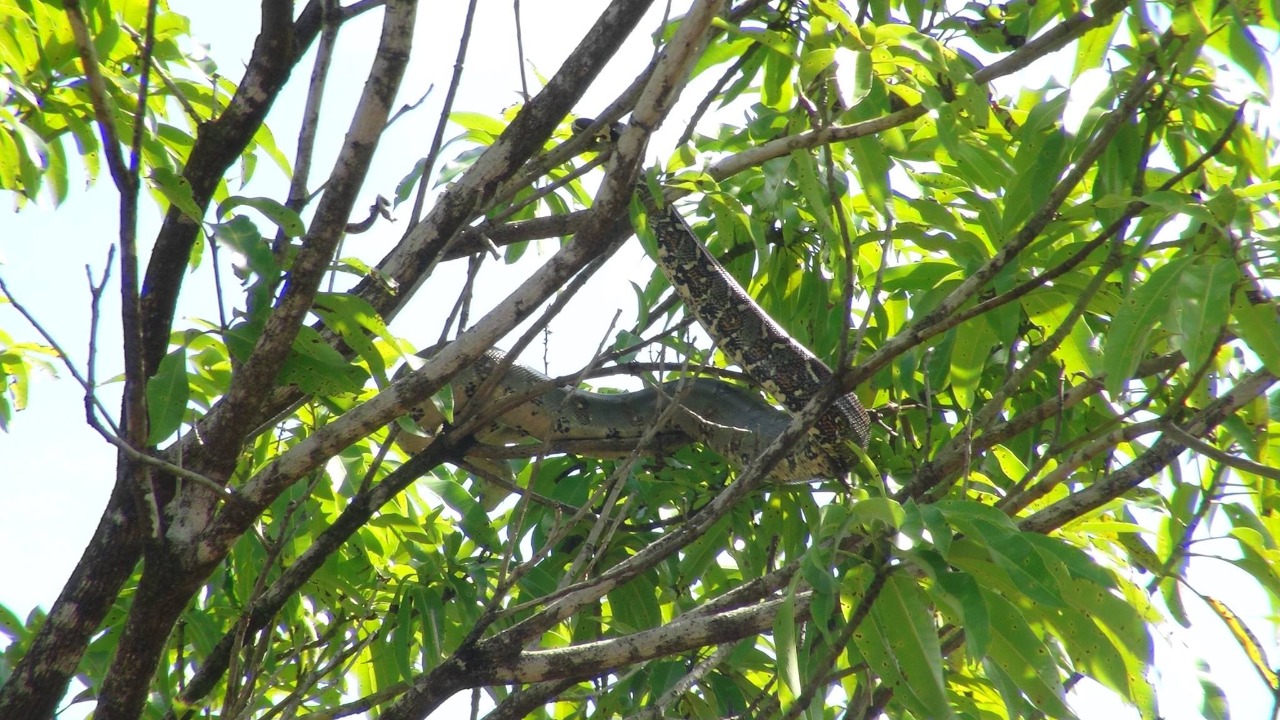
[729, 419]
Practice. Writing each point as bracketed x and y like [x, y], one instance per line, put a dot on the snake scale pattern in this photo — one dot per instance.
[757, 344]
[730, 419]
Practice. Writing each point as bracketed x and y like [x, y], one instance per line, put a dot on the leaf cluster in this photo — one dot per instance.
[1063, 322]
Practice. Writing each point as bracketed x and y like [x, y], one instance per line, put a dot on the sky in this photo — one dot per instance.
[58, 472]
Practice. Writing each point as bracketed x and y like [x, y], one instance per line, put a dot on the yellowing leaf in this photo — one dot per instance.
[1252, 648]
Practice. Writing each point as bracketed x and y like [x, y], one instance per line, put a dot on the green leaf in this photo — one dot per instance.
[318, 369]
[264, 140]
[1048, 309]
[474, 520]
[1259, 328]
[352, 317]
[1021, 654]
[1138, 317]
[1093, 46]
[478, 122]
[853, 75]
[1234, 40]
[999, 554]
[873, 172]
[969, 356]
[1036, 167]
[936, 523]
[635, 605]
[1112, 643]
[1200, 309]
[813, 62]
[699, 555]
[1010, 465]
[241, 235]
[10, 162]
[1214, 706]
[176, 190]
[904, 621]
[313, 366]
[784, 640]
[874, 649]
[12, 627]
[284, 218]
[167, 395]
[877, 512]
[806, 173]
[407, 183]
[959, 592]
[777, 91]
[1037, 164]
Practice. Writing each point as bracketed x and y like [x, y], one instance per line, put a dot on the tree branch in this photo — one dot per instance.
[405, 266]
[1157, 458]
[175, 571]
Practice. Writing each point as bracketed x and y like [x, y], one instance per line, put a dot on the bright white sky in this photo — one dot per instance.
[59, 472]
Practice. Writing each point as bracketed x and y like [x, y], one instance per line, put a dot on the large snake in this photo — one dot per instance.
[729, 419]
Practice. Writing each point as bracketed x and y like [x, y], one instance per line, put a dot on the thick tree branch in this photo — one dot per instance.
[559, 225]
[40, 679]
[219, 142]
[467, 198]
[598, 658]
[173, 572]
[539, 117]
[450, 445]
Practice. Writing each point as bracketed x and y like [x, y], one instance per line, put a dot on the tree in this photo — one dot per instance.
[1064, 325]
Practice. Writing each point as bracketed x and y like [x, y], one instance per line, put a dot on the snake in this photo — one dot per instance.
[730, 419]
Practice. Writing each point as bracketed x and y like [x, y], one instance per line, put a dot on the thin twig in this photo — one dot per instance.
[1242, 464]
[436, 141]
[941, 317]
[463, 301]
[524, 82]
[91, 400]
[90, 383]
[298, 196]
[714, 93]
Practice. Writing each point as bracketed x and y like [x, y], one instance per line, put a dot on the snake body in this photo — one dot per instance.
[757, 344]
[727, 418]
[730, 419]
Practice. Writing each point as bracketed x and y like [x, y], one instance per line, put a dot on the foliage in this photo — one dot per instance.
[1059, 308]
[47, 100]
[17, 360]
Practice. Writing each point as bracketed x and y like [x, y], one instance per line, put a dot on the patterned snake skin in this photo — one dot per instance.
[729, 419]
[758, 345]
